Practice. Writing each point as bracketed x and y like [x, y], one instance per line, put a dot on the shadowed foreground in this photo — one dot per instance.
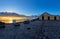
[32, 30]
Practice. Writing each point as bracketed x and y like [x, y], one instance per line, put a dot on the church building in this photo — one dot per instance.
[47, 16]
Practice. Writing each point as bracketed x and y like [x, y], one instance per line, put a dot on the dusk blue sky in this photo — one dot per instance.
[30, 7]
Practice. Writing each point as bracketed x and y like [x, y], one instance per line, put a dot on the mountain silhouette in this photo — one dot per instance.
[9, 14]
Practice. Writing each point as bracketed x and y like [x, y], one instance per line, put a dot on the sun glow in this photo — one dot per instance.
[9, 19]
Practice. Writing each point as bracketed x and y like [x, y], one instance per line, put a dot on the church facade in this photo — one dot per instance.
[47, 16]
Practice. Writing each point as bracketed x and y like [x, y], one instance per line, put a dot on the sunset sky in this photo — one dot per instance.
[30, 7]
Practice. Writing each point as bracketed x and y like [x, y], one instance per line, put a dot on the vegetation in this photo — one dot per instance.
[2, 25]
[26, 22]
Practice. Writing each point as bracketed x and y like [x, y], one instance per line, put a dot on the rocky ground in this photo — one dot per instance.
[33, 30]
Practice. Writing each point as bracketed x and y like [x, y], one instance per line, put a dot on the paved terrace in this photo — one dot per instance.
[33, 30]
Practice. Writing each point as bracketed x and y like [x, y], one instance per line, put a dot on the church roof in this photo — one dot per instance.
[49, 14]
[46, 13]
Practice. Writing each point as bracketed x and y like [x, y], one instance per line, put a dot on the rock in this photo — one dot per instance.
[16, 24]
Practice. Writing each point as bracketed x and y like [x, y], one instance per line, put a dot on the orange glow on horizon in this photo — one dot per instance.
[9, 19]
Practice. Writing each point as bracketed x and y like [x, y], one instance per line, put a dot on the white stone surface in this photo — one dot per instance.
[52, 30]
